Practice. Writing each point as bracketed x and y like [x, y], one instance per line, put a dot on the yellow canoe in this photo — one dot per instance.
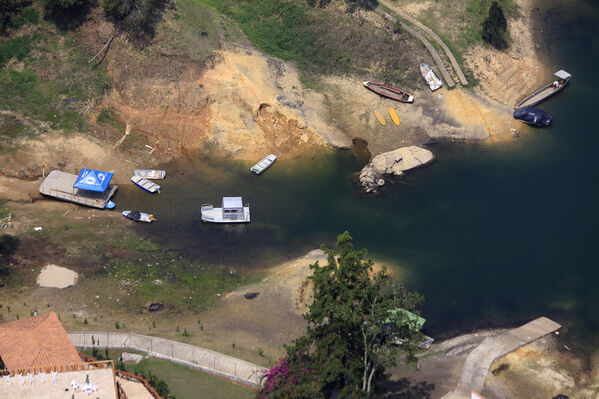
[380, 118]
[394, 116]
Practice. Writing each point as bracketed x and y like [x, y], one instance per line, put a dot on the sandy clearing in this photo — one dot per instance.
[53, 276]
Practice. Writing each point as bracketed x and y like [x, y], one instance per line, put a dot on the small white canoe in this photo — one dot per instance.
[139, 216]
[147, 185]
[431, 79]
[263, 164]
[153, 174]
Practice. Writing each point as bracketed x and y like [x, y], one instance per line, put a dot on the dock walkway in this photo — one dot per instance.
[478, 362]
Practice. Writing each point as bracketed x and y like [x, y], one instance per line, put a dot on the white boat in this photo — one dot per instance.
[431, 79]
[139, 216]
[264, 164]
[147, 185]
[153, 174]
[232, 211]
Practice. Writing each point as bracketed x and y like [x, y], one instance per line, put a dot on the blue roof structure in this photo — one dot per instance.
[93, 180]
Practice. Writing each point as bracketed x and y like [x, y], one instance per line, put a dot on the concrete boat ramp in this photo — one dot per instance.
[478, 362]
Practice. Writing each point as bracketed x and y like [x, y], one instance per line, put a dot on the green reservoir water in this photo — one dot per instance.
[492, 235]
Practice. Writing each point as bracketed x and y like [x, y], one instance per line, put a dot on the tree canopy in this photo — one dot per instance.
[495, 27]
[353, 324]
[137, 17]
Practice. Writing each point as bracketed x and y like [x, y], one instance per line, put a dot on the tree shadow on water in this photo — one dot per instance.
[404, 389]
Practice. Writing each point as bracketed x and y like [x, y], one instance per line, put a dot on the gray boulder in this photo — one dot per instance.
[394, 162]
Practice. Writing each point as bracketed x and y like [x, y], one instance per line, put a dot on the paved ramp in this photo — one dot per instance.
[478, 362]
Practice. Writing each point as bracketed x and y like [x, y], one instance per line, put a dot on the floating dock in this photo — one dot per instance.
[60, 185]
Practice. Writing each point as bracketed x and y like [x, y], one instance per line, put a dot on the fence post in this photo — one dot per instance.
[172, 350]
[107, 339]
[214, 363]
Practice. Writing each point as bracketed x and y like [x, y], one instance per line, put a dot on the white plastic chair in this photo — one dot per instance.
[8, 380]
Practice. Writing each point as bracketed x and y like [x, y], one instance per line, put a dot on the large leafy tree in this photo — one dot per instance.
[353, 323]
[495, 27]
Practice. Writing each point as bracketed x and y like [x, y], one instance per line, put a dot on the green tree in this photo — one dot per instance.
[495, 27]
[138, 17]
[8, 9]
[63, 4]
[352, 327]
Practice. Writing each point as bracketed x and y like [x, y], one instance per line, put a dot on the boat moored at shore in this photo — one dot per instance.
[264, 164]
[137, 216]
[153, 174]
[550, 89]
[232, 211]
[145, 184]
[533, 116]
[429, 76]
[389, 92]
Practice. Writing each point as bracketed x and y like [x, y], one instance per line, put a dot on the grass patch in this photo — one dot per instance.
[54, 81]
[18, 47]
[321, 40]
[186, 383]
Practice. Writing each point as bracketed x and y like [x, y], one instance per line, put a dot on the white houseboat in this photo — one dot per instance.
[232, 211]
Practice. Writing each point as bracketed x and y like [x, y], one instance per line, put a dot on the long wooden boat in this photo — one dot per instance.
[431, 79]
[389, 92]
[150, 173]
[139, 216]
[550, 89]
[145, 184]
[264, 164]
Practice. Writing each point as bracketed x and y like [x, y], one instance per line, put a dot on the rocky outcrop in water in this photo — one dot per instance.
[394, 162]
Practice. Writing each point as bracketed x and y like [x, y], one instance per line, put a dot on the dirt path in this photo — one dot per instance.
[426, 43]
[429, 31]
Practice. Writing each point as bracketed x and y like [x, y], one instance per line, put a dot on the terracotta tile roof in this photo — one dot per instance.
[38, 341]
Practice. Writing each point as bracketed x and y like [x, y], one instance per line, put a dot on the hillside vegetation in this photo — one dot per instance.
[336, 39]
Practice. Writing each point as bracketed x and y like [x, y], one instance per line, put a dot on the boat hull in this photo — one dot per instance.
[145, 184]
[389, 92]
[533, 116]
[263, 164]
[139, 216]
[538, 96]
[432, 80]
[215, 215]
[151, 174]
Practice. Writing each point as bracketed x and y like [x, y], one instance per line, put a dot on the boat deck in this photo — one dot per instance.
[539, 96]
[215, 215]
[60, 185]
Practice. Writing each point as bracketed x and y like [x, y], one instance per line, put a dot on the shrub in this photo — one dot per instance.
[18, 47]
[29, 16]
[64, 4]
[495, 27]
[138, 17]
[8, 9]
